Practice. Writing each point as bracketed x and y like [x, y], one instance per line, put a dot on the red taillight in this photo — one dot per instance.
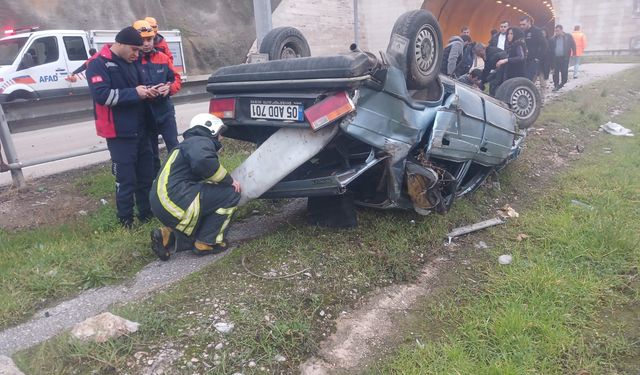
[8, 32]
[329, 109]
[223, 108]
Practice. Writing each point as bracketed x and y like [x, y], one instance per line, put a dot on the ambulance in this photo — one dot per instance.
[34, 63]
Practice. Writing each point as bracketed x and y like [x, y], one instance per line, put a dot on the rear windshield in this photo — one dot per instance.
[9, 49]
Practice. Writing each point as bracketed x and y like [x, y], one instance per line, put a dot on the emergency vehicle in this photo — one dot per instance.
[35, 63]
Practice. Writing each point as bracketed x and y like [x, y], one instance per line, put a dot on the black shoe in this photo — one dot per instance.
[126, 222]
[200, 248]
[555, 88]
[158, 244]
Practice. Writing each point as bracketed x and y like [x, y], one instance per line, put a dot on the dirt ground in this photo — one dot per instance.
[47, 201]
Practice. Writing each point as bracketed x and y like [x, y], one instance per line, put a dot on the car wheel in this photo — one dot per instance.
[285, 43]
[424, 50]
[522, 96]
[21, 96]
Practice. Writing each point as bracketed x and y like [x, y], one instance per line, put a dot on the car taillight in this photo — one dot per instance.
[223, 108]
[8, 32]
[328, 110]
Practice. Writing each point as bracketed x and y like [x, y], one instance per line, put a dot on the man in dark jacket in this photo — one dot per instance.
[160, 114]
[453, 54]
[536, 48]
[562, 47]
[118, 90]
[194, 196]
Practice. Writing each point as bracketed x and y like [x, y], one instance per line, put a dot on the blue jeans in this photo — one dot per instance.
[576, 66]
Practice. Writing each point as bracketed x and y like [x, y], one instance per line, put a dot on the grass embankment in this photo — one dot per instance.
[288, 317]
[569, 301]
[46, 264]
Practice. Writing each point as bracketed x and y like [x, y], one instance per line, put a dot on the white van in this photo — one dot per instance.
[34, 64]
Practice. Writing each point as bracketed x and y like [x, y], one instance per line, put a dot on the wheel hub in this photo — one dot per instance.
[522, 102]
[425, 51]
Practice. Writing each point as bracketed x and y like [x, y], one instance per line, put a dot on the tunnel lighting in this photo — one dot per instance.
[499, 1]
[508, 5]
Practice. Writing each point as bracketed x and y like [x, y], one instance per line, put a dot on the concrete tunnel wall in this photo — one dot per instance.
[484, 15]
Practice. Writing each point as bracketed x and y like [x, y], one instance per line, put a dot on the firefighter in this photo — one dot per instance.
[160, 115]
[159, 42]
[194, 196]
[118, 90]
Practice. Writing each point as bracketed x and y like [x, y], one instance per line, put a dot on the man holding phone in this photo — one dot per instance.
[160, 115]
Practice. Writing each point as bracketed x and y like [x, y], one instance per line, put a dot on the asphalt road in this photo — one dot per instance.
[64, 139]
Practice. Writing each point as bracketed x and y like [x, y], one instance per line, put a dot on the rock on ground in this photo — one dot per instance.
[101, 328]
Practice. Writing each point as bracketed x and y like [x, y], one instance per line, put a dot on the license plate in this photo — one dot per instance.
[286, 112]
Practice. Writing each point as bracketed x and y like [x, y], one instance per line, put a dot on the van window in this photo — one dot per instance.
[75, 48]
[9, 49]
[41, 51]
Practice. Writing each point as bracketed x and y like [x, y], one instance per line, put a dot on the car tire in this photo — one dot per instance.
[522, 96]
[21, 96]
[424, 51]
[285, 43]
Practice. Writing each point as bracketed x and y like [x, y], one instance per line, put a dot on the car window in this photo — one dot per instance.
[41, 51]
[75, 48]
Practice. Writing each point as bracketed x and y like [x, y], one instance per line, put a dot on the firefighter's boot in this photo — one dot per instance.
[163, 242]
[201, 248]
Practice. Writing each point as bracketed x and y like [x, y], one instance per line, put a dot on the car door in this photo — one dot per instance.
[75, 52]
[44, 67]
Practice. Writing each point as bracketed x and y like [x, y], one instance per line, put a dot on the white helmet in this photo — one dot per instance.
[209, 121]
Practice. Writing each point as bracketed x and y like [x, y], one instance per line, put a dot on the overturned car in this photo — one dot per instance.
[387, 132]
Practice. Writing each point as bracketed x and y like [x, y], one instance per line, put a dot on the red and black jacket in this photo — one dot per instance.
[160, 44]
[119, 111]
[158, 68]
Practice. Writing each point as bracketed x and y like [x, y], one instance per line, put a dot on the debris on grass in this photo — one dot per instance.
[521, 237]
[481, 245]
[507, 211]
[223, 327]
[576, 202]
[473, 228]
[616, 129]
[505, 259]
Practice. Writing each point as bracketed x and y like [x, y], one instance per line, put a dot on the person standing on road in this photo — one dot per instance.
[581, 44]
[159, 43]
[118, 90]
[160, 114]
[536, 48]
[194, 196]
[563, 47]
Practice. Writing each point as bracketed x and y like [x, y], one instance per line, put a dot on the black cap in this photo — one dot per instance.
[129, 36]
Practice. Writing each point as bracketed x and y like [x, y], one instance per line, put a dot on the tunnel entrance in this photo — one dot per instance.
[484, 15]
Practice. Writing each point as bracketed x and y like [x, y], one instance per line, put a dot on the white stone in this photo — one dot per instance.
[505, 259]
[7, 367]
[223, 327]
[252, 364]
[101, 328]
[279, 358]
[219, 346]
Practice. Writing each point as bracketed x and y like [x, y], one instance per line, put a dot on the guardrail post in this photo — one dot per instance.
[10, 151]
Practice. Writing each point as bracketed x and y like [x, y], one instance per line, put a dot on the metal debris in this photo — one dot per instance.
[473, 228]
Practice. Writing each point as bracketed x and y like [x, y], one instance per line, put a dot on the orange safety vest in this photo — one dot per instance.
[581, 42]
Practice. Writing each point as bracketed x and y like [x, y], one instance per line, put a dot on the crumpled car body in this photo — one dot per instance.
[448, 137]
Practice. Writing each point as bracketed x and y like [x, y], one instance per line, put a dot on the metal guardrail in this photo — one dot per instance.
[47, 112]
[29, 115]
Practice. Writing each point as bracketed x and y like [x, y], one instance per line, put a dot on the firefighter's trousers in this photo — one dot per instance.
[217, 203]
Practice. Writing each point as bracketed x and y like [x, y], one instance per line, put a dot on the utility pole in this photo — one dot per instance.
[262, 15]
[356, 23]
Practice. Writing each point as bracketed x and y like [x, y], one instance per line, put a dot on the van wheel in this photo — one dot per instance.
[424, 50]
[285, 43]
[21, 96]
[522, 96]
